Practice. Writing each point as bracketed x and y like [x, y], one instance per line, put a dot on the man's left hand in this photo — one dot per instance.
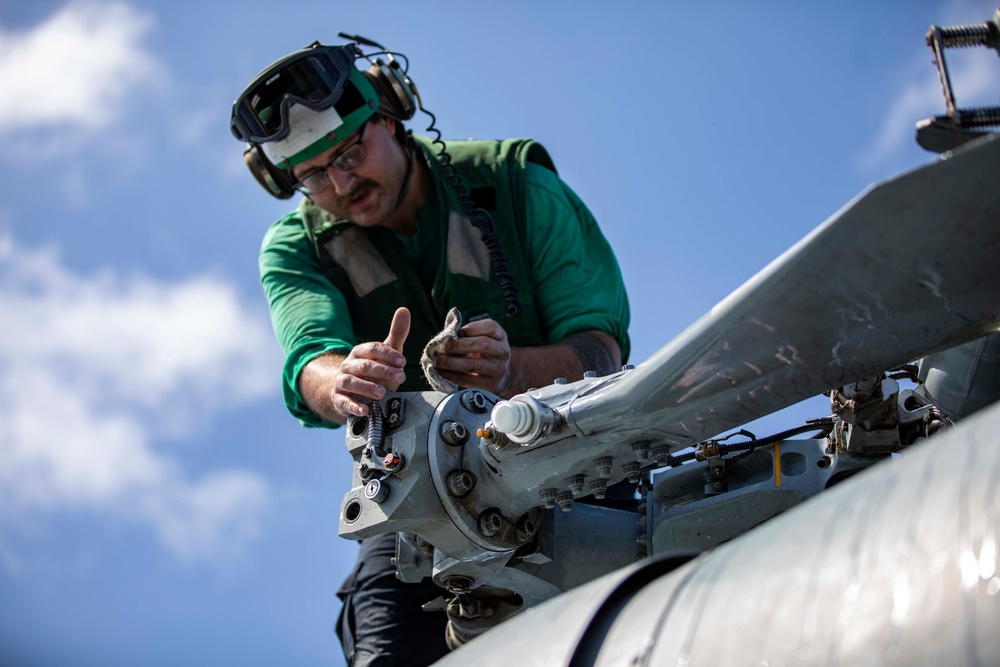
[479, 358]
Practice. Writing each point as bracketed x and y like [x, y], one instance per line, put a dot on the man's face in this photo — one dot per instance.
[365, 195]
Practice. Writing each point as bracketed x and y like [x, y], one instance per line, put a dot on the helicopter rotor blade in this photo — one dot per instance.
[909, 267]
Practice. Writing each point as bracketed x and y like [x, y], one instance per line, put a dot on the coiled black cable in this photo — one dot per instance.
[376, 433]
[479, 217]
[482, 220]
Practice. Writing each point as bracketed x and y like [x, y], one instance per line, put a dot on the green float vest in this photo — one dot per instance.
[372, 271]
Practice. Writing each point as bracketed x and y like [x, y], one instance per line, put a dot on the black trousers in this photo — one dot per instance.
[382, 623]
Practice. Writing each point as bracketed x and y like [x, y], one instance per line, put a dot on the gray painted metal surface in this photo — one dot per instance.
[896, 566]
[761, 485]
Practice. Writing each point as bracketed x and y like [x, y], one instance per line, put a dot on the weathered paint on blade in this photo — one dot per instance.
[909, 266]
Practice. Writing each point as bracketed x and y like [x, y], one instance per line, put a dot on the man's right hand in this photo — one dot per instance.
[337, 387]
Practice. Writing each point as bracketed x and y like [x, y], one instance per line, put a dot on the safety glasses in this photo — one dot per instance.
[348, 159]
[313, 77]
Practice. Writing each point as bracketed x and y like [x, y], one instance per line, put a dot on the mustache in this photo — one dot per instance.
[360, 190]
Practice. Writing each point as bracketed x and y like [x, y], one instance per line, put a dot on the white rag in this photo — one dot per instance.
[452, 323]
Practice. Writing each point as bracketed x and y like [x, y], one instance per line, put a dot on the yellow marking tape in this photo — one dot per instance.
[777, 464]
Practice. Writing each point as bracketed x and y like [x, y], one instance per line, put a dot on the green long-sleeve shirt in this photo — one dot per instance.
[578, 284]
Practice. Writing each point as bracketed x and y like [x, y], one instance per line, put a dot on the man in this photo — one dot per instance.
[391, 234]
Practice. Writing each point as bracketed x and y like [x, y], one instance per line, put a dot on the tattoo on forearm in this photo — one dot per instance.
[592, 352]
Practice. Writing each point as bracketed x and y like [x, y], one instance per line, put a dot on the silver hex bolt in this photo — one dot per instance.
[565, 500]
[598, 487]
[474, 401]
[548, 497]
[454, 433]
[458, 584]
[460, 483]
[575, 484]
[631, 471]
[660, 454]
[641, 451]
[603, 465]
[490, 522]
[525, 529]
[590, 374]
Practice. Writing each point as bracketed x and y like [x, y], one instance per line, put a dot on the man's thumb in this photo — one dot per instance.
[399, 329]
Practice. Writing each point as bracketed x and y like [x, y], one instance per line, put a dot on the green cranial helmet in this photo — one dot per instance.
[304, 104]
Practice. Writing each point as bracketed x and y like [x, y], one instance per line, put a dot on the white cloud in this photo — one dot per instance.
[91, 367]
[973, 79]
[217, 515]
[77, 68]
[84, 84]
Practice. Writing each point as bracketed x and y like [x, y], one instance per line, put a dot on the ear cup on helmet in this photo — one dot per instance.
[278, 182]
[395, 89]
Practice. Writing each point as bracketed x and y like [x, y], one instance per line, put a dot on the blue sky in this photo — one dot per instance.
[157, 504]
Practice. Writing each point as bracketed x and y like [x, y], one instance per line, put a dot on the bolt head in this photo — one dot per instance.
[454, 433]
[376, 491]
[565, 501]
[457, 584]
[490, 523]
[460, 483]
[474, 401]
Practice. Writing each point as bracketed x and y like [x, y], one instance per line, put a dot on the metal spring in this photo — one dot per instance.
[979, 117]
[961, 36]
[376, 436]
